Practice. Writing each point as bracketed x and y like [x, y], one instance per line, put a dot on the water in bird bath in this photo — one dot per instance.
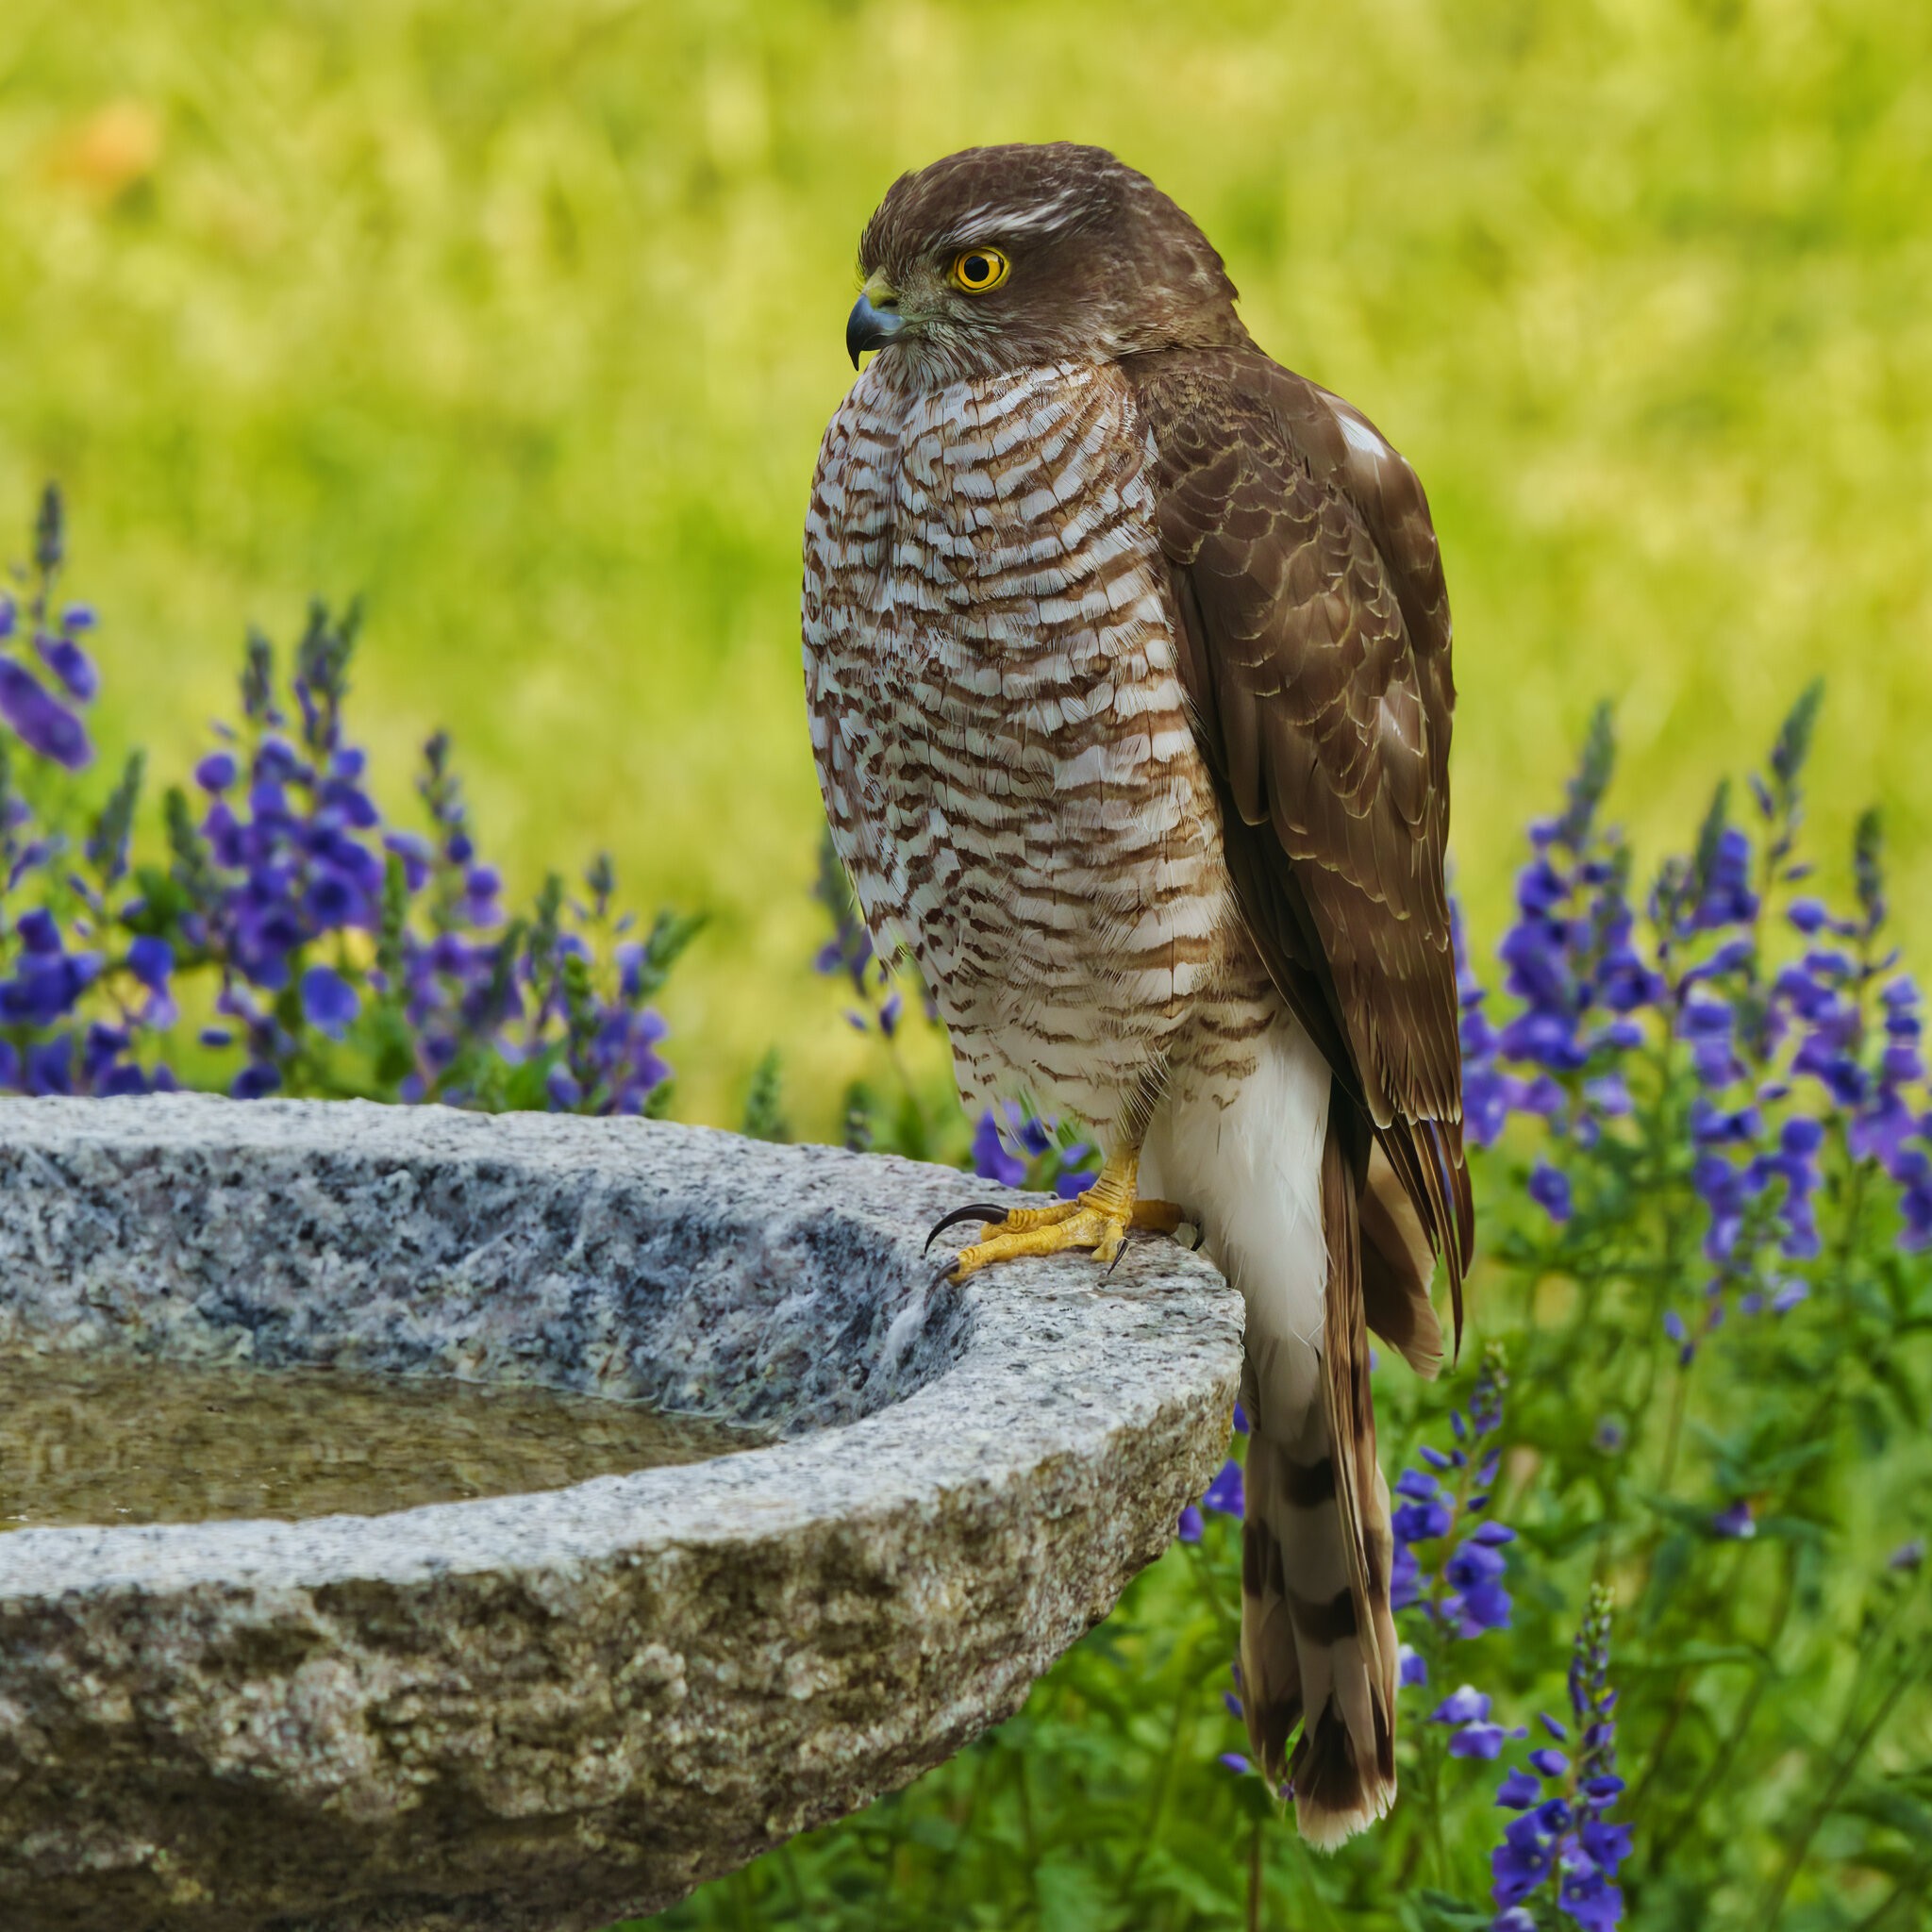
[90, 1439]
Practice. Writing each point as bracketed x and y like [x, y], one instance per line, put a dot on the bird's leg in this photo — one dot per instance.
[1099, 1219]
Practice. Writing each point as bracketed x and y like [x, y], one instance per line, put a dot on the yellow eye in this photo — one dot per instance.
[976, 270]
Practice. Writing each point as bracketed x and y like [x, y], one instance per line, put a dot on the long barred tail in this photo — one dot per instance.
[1318, 1640]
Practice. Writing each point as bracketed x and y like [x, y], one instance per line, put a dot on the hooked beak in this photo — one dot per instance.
[874, 318]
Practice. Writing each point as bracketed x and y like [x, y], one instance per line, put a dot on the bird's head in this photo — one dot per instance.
[1005, 258]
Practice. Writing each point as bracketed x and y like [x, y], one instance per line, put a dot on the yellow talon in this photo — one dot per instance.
[1098, 1219]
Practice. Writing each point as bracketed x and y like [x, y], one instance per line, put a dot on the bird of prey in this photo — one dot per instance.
[1127, 654]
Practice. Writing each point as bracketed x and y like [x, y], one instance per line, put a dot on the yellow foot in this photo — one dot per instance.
[1098, 1219]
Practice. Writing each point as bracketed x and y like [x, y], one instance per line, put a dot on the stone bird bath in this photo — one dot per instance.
[553, 1709]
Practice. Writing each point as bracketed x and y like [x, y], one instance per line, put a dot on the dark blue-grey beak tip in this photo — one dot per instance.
[868, 327]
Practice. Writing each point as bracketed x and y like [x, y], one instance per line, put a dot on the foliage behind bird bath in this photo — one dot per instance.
[544, 1709]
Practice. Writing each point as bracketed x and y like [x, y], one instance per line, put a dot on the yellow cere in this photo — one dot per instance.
[976, 270]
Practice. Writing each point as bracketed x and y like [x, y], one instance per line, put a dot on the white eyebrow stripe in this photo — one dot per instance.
[987, 223]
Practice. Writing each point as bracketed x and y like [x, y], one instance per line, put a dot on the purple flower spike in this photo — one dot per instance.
[1564, 1839]
[1189, 1526]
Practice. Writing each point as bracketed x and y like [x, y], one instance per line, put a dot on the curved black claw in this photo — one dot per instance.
[978, 1211]
[942, 1279]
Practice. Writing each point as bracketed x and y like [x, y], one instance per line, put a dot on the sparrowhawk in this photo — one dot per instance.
[1127, 653]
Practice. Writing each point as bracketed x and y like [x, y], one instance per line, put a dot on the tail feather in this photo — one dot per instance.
[1426, 1157]
[1318, 1640]
[1397, 1264]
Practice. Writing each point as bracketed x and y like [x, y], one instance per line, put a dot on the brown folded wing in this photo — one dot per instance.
[1314, 632]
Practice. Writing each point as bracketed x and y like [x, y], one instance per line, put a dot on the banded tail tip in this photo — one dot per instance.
[1335, 1796]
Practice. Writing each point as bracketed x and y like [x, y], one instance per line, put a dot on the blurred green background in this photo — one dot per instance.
[524, 321]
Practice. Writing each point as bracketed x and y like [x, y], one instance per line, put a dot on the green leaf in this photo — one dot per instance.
[1793, 744]
[764, 1113]
[1883, 1802]
[1440, 1911]
[1667, 1572]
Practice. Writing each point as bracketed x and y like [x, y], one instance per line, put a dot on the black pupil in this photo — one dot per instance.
[978, 269]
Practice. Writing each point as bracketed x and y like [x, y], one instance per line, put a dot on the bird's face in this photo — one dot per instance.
[1006, 257]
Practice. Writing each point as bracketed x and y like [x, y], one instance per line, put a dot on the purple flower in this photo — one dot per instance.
[1561, 1832]
[44, 725]
[1736, 1522]
[1189, 1529]
[40, 933]
[1421, 1522]
[1549, 1187]
[1227, 1495]
[1480, 1739]
[151, 960]
[1465, 1706]
[992, 1162]
[329, 1001]
[71, 665]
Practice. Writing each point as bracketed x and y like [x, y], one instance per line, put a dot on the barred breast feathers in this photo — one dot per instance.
[999, 723]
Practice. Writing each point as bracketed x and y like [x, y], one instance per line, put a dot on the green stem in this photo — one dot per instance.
[1674, 1429]
[1663, 1844]
[1163, 1782]
[1848, 1754]
[1254, 1872]
[1227, 1629]
[1029, 1836]
[1680, 1698]
[1912, 1886]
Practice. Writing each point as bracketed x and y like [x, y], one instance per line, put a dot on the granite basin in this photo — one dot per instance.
[556, 1710]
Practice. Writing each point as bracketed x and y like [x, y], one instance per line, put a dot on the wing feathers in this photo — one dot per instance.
[1313, 637]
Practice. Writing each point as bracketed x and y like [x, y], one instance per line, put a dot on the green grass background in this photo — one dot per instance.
[522, 321]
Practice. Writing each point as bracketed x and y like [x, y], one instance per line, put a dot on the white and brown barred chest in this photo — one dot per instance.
[1001, 740]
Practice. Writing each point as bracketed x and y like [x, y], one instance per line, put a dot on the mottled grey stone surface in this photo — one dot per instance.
[548, 1712]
